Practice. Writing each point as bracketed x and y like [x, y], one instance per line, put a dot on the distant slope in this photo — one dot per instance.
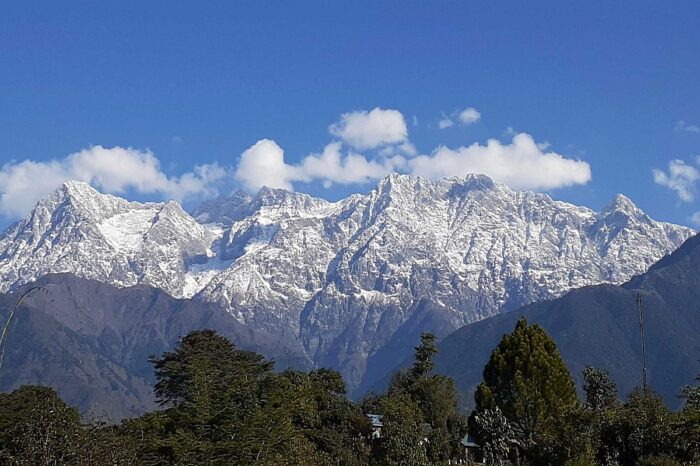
[91, 341]
[599, 325]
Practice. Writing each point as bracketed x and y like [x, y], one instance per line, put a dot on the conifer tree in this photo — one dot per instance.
[527, 380]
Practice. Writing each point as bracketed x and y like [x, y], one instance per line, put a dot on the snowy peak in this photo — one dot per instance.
[622, 204]
[224, 210]
[79, 230]
[345, 278]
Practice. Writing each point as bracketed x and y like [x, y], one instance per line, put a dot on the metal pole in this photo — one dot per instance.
[641, 334]
[9, 320]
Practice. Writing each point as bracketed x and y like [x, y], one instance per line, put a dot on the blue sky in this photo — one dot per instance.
[142, 93]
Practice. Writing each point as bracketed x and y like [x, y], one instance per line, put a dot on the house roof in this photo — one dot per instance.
[376, 420]
[469, 441]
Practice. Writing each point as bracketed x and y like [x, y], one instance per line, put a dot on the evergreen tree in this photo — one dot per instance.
[38, 428]
[423, 362]
[403, 441]
[527, 380]
[601, 392]
[437, 399]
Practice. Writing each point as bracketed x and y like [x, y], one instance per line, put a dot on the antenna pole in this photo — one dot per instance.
[641, 334]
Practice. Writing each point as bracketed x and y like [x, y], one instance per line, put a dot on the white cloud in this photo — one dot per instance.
[469, 116]
[263, 164]
[367, 130]
[680, 178]
[445, 122]
[332, 167]
[683, 126]
[521, 164]
[695, 219]
[113, 170]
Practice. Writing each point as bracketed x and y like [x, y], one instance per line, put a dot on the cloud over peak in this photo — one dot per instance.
[367, 130]
[522, 164]
[369, 145]
[112, 170]
[263, 164]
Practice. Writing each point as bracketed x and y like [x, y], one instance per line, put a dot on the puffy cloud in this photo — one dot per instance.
[445, 122]
[683, 126]
[695, 219]
[263, 164]
[332, 167]
[680, 178]
[367, 130]
[521, 164]
[469, 116]
[113, 170]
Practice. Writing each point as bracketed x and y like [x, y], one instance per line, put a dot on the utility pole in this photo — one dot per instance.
[645, 385]
[11, 315]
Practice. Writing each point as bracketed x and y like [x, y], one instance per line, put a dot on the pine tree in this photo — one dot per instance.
[437, 399]
[423, 359]
[527, 380]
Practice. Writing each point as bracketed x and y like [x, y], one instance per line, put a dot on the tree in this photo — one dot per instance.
[437, 399]
[601, 392]
[339, 429]
[496, 434]
[691, 395]
[403, 441]
[224, 404]
[38, 428]
[423, 358]
[527, 380]
[642, 427]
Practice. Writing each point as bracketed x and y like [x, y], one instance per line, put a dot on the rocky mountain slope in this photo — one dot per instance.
[599, 326]
[91, 341]
[353, 281]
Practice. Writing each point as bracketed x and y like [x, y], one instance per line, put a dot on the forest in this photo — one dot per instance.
[220, 405]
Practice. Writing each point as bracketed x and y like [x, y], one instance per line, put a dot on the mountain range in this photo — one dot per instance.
[91, 341]
[350, 283]
[599, 326]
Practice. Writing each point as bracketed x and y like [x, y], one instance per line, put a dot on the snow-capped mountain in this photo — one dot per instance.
[99, 236]
[356, 280]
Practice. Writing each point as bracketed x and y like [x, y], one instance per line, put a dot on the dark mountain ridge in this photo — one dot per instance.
[91, 341]
[599, 325]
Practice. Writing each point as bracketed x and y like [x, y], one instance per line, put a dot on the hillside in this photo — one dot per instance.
[599, 325]
[91, 341]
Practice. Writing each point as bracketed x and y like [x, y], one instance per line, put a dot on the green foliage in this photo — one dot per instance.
[423, 359]
[643, 426]
[601, 392]
[691, 396]
[221, 406]
[527, 380]
[437, 400]
[37, 427]
[402, 442]
[566, 439]
[226, 405]
[496, 435]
